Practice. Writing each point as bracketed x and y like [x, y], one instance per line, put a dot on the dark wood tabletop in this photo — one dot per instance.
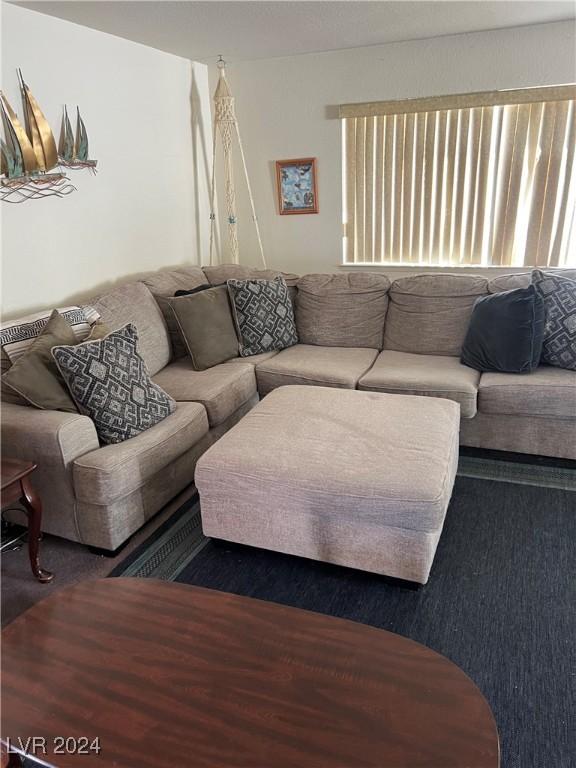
[12, 470]
[165, 674]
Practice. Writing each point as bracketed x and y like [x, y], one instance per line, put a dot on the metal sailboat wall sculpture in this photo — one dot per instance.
[28, 154]
[73, 150]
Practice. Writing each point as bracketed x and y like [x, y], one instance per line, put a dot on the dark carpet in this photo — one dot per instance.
[500, 603]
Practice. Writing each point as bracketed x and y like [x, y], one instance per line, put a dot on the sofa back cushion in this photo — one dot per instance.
[343, 310]
[218, 274]
[133, 303]
[165, 282]
[522, 280]
[429, 314]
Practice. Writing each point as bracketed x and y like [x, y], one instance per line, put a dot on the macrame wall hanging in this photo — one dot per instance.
[30, 163]
[226, 126]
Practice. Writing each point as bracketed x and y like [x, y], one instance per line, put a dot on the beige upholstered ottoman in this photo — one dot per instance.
[361, 479]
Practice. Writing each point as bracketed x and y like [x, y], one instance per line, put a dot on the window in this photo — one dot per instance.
[477, 179]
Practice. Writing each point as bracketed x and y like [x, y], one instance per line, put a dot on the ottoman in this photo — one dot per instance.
[360, 479]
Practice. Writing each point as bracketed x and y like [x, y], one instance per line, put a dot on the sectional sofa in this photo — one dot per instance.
[357, 330]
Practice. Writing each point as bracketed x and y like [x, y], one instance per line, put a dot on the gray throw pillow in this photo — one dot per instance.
[34, 379]
[263, 315]
[109, 383]
[559, 295]
[204, 321]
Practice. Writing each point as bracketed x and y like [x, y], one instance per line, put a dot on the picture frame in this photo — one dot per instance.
[297, 186]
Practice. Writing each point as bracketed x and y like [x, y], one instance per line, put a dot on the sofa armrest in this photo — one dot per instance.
[37, 435]
[53, 440]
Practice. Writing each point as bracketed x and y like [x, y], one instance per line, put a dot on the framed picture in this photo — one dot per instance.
[297, 192]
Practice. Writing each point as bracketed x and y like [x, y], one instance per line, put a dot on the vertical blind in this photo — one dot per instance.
[462, 180]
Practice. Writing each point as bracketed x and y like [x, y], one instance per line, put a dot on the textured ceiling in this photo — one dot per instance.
[254, 30]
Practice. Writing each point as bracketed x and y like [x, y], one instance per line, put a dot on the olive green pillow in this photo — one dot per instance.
[35, 377]
[206, 327]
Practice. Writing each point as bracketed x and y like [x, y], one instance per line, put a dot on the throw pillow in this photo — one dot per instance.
[109, 382]
[17, 336]
[35, 376]
[505, 332]
[559, 295]
[205, 323]
[164, 302]
[263, 314]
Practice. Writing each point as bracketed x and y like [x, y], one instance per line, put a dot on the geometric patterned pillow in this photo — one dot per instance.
[559, 294]
[263, 314]
[109, 383]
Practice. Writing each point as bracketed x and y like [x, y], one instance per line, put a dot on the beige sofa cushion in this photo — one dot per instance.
[165, 282]
[318, 366]
[114, 471]
[344, 310]
[133, 303]
[428, 375]
[221, 389]
[545, 392]
[220, 273]
[522, 280]
[429, 314]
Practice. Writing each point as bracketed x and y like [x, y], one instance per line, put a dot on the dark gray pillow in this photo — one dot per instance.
[559, 295]
[263, 314]
[109, 383]
[505, 332]
[204, 321]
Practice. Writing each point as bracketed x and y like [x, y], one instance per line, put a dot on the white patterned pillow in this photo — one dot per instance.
[17, 336]
[559, 294]
[109, 383]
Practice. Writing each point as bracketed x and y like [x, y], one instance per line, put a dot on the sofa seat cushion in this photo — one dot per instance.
[221, 389]
[428, 375]
[429, 314]
[546, 391]
[318, 366]
[112, 472]
[133, 303]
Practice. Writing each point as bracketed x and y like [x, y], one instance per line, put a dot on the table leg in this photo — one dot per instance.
[33, 506]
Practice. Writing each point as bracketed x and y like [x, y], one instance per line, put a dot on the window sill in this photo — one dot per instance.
[411, 269]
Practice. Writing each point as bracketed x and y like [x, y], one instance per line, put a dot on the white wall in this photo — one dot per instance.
[283, 108]
[145, 112]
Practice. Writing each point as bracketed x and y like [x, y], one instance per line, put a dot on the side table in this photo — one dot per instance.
[17, 487]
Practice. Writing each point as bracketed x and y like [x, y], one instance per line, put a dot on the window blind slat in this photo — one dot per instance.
[533, 249]
[558, 246]
[350, 215]
[419, 175]
[389, 189]
[438, 176]
[428, 186]
[369, 187]
[397, 232]
[470, 184]
[379, 188]
[551, 201]
[360, 188]
[407, 188]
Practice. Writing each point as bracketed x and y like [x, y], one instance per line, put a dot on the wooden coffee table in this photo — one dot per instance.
[164, 674]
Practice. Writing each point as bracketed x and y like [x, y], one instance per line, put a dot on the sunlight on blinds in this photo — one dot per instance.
[486, 185]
